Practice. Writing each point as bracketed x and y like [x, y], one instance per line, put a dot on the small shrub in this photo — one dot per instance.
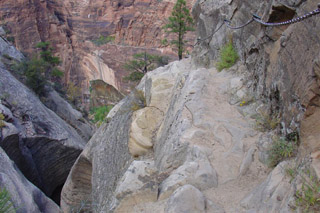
[281, 149]
[142, 63]
[47, 55]
[266, 122]
[35, 74]
[100, 113]
[73, 93]
[134, 76]
[228, 56]
[139, 101]
[56, 73]
[103, 40]
[39, 69]
[308, 197]
[11, 39]
[6, 56]
[2, 124]
[6, 205]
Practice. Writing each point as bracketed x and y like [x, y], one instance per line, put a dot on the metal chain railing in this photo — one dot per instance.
[292, 21]
[210, 36]
[227, 22]
[257, 19]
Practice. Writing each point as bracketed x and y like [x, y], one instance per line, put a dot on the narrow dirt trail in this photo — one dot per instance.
[230, 142]
[222, 136]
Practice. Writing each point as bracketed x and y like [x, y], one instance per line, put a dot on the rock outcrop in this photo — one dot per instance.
[42, 144]
[184, 156]
[24, 195]
[102, 94]
[71, 116]
[283, 62]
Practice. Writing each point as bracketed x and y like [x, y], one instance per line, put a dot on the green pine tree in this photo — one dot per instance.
[179, 23]
[142, 63]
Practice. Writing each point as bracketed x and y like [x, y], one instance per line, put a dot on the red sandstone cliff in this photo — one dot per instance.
[71, 25]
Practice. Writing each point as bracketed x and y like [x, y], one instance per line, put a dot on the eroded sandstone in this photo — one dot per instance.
[42, 145]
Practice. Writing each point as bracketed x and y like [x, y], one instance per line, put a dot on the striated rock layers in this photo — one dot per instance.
[71, 26]
[283, 62]
[42, 144]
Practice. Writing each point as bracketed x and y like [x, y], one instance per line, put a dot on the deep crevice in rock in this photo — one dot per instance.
[56, 194]
[43, 161]
[279, 14]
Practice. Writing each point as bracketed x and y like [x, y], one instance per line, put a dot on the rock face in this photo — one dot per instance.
[198, 151]
[70, 115]
[24, 195]
[103, 148]
[283, 62]
[186, 199]
[175, 153]
[71, 26]
[42, 144]
[102, 94]
[274, 194]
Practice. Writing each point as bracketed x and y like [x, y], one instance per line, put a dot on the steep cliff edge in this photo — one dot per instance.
[42, 145]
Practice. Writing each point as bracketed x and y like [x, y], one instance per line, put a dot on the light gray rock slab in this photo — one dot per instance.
[247, 161]
[196, 171]
[187, 199]
[70, 115]
[8, 49]
[273, 195]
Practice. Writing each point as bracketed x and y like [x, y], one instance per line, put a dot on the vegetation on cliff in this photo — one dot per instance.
[100, 113]
[179, 23]
[142, 63]
[103, 40]
[40, 69]
[2, 124]
[228, 56]
[5, 202]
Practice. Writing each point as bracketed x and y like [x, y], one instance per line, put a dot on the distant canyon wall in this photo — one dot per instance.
[71, 25]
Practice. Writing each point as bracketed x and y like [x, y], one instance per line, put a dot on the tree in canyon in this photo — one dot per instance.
[41, 68]
[142, 63]
[179, 23]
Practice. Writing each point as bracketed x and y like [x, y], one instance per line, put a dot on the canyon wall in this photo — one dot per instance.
[282, 62]
[71, 26]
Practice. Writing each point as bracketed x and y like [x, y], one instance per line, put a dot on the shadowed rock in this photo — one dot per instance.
[43, 146]
[24, 195]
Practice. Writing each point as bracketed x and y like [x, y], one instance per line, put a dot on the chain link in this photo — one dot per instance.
[258, 20]
[292, 21]
[227, 22]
